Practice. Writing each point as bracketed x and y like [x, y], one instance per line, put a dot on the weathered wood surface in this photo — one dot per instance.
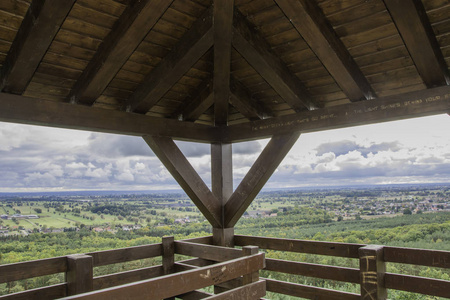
[372, 272]
[25, 110]
[313, 270]
[108, 257]
[181, 283]
[80, 274]
[300, 246]
[414, 284]
[423, 257]
[194, 295]
[128, 32]
[30, 269]
[209, 252]
[168, 254]
[409, 105]
[51, 292]
[252, 291]
[36, 33]
[183, 172]
[208, 240]
[107, 281]
[307, 292]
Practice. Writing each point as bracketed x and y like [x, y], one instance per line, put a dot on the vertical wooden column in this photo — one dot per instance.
[372, 270]
[252, 277]
[80, 274]
[168, 257]
[222, 188]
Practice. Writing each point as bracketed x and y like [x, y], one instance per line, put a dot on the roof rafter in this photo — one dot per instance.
[243, 101]
[25, 110]
[408, 105]
[416, 31]
[39, 26]
[258, 54]
[198, 105]
[310, 22]
[128, 32]
[223, 30]
[190, 48]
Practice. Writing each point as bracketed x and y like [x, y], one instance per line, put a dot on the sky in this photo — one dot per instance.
[38, 159]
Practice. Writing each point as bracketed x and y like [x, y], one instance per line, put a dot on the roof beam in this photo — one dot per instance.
[267, 162]
[258, 54]
[196, 106]
[310, 22]
[126, 35]
[223, 30]
[243, 101]
[409, 105]
[39, 26]
[190, 48]
[183, 172]
[412, 22]
[20, 109]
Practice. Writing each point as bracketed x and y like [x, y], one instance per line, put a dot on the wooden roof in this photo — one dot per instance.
[208, 70]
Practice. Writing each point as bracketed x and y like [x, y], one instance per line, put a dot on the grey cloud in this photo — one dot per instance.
[346, 146]
[118, 145]
[247, 148]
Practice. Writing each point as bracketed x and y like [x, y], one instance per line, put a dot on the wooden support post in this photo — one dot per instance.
[372, 269]
[168, 257]
[252, 277]
[80, 274]
[223, 237]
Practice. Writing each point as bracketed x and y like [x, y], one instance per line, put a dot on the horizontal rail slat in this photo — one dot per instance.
[300, 246]
[207, 240]
[180, 283]
[313, 270]
[308, 292]
[250, 291]
[30, 269]
[423, 257]
[208, 252]
[194, 295]
[421, 285]
[48, 292]
[111, 280]
[108, 257]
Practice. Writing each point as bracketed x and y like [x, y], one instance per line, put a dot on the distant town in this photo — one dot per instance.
[121, 212]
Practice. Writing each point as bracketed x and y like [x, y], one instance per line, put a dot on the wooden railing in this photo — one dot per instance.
[189, 265]
[371, 275]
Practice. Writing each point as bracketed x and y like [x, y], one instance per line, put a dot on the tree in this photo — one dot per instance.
[407, 211]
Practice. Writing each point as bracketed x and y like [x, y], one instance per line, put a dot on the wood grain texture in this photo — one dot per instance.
[30, 269]
[415, 284]
[114, 256]
[107, 281]
[208, 252]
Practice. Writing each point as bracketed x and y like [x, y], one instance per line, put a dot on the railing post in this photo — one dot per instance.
[223, 237]
[372, 270]
[80, 274]
[168, 257]
[252, 277]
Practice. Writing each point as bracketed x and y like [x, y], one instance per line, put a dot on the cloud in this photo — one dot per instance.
[117, 145]
[346, 146]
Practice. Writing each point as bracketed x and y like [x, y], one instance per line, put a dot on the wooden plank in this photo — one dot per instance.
[190, 48]
[25, 110]
[258, 54]
[183, 172]
[194, 106]
[414, 284]
[168, 254]
[372, 272]
[307, 292]
[310, 22]
[209, 252]
[177, 284]
[414, 27]
[423, 257]
[80, 274]
[223, 30]
[30, 269]
[107, 281]
[126, 35]
[194, 295]
[313, 270]
[208, 240]
[245, 103]
[390, 108]
[300, 246]
[39, 27]
[257, 176]
[49, 292]
[250, 291]
[114, 256]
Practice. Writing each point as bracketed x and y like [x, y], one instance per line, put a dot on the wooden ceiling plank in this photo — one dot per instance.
[25, 110]
[390, 108]
[310, 22]
[203, 100]
[39, 26]
[242, 100]
[257, 52]
[190, 48]
[183, 172]
[415, 29]
[223, 30]
[268, 161]
[125, 36]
